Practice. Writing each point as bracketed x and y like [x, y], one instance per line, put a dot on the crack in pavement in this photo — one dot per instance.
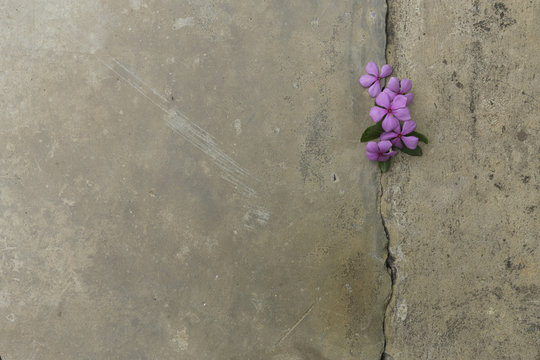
[389, 263]
[390, 259]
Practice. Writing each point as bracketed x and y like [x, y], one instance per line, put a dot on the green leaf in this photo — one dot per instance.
[415, 152]
[372, 132]
[420, 137]
[384, 165]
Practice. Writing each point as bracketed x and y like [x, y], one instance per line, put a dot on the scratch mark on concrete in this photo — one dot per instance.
[178, 122]
[255, 217]
[306, 313]
[231, 171]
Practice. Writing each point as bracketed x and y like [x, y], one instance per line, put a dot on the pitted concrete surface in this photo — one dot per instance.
[463, 219]
[184, 180]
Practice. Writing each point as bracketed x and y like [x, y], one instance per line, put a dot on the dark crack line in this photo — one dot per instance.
[390, 259]
[389, 263]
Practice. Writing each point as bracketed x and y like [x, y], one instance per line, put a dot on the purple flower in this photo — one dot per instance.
[372, 80]
[393, 88]
[398, 136]
[391, 110]
[380, 151]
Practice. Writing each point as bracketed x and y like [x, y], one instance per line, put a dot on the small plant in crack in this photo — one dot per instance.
[393, 127]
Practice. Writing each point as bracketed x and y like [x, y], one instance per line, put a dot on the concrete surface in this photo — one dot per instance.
[463, 219]
[184, 180]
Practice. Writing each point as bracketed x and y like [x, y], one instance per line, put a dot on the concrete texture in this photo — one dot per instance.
[463, 219]
[184, 180]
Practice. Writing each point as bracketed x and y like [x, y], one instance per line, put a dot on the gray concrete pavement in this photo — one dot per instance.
[463, 219]
[184, 180]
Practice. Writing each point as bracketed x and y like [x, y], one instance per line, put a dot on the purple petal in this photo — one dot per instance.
[386, 70]
[390, 93]
[409, 97]
[406, 86]
[383, 100]
[391, 153]
[372, 68]
[375, 89]
[367, 80]
[397, 143]
[393, 84]
[402, 114]
[410, 141]
[372, 156]
[383, 158]
[390, 123]
[385, 145]
[372, 147]
[377, 113]
[388, 135]
[408, 127]
[399, 101]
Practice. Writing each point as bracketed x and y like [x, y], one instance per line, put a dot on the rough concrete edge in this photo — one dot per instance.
[389, 262]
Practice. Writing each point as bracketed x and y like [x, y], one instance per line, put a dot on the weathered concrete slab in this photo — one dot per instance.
[463, 219]
[183, 179]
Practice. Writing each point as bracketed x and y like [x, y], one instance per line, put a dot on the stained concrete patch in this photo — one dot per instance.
[183, 179]
[463, 219]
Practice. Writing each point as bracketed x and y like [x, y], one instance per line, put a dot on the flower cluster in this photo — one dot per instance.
[394, 126]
